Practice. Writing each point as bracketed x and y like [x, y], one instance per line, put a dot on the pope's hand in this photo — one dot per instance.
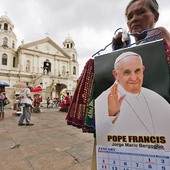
[114, 103]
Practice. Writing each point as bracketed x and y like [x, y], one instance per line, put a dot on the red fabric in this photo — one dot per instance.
[36, 89]
[81, 98]
[63, 105]
[68, 100]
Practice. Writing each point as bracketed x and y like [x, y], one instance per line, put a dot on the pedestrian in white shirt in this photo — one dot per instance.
[26, 101]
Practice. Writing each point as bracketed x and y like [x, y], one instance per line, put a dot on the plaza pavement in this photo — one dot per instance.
[48, 145]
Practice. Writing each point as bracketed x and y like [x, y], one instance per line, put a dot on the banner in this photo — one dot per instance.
[137, 136]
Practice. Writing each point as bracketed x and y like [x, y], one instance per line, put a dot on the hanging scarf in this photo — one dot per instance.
[77, 112]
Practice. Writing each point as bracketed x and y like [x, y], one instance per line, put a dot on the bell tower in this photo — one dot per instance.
[8, 43]
[69, 47]
[73, 71]
[7, 36]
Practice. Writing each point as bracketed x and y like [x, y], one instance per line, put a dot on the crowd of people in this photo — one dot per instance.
[27, 102]
[62, 103]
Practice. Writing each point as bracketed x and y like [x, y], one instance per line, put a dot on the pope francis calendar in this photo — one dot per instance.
[132, 108]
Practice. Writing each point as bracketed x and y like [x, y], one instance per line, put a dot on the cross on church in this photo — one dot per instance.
[47, 34]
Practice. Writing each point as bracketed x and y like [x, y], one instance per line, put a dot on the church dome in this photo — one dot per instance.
[5, 18]
[69, 40]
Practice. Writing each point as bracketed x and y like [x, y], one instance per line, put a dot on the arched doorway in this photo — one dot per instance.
[59, 89]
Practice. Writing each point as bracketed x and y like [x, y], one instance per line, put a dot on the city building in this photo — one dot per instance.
[40, 63]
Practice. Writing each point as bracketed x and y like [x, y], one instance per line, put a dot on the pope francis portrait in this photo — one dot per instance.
[127, 108]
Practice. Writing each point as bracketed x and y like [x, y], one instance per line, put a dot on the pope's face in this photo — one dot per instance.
[140, 18]
[129, 74]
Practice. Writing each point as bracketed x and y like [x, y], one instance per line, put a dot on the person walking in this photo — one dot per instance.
[5, 102]
[1, 106]
[48, 102]
[26, 102]
[68, 101]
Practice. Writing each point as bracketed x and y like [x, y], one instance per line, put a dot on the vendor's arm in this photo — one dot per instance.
[166, 36]
[163, 34]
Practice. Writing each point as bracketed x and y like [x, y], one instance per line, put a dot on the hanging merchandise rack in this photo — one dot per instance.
[126, 38]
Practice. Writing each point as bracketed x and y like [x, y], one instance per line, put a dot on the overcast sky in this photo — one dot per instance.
[90, 23]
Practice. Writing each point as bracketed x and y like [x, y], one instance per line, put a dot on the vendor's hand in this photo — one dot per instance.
[114, 103]
[117, 41]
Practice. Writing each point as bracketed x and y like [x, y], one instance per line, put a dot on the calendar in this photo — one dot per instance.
[111, 158]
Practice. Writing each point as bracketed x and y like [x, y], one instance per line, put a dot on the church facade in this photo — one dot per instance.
[40, 63]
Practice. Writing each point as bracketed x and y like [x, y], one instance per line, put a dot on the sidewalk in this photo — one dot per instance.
[48, 145]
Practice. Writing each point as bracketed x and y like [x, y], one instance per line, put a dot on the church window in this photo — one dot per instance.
[5, 26]
[4, 59]
[74, 70]
[64, 71]
[74, 58]
[71, 45]
[67, 45]
[14, 60]
[13, 44]
[5, 41]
